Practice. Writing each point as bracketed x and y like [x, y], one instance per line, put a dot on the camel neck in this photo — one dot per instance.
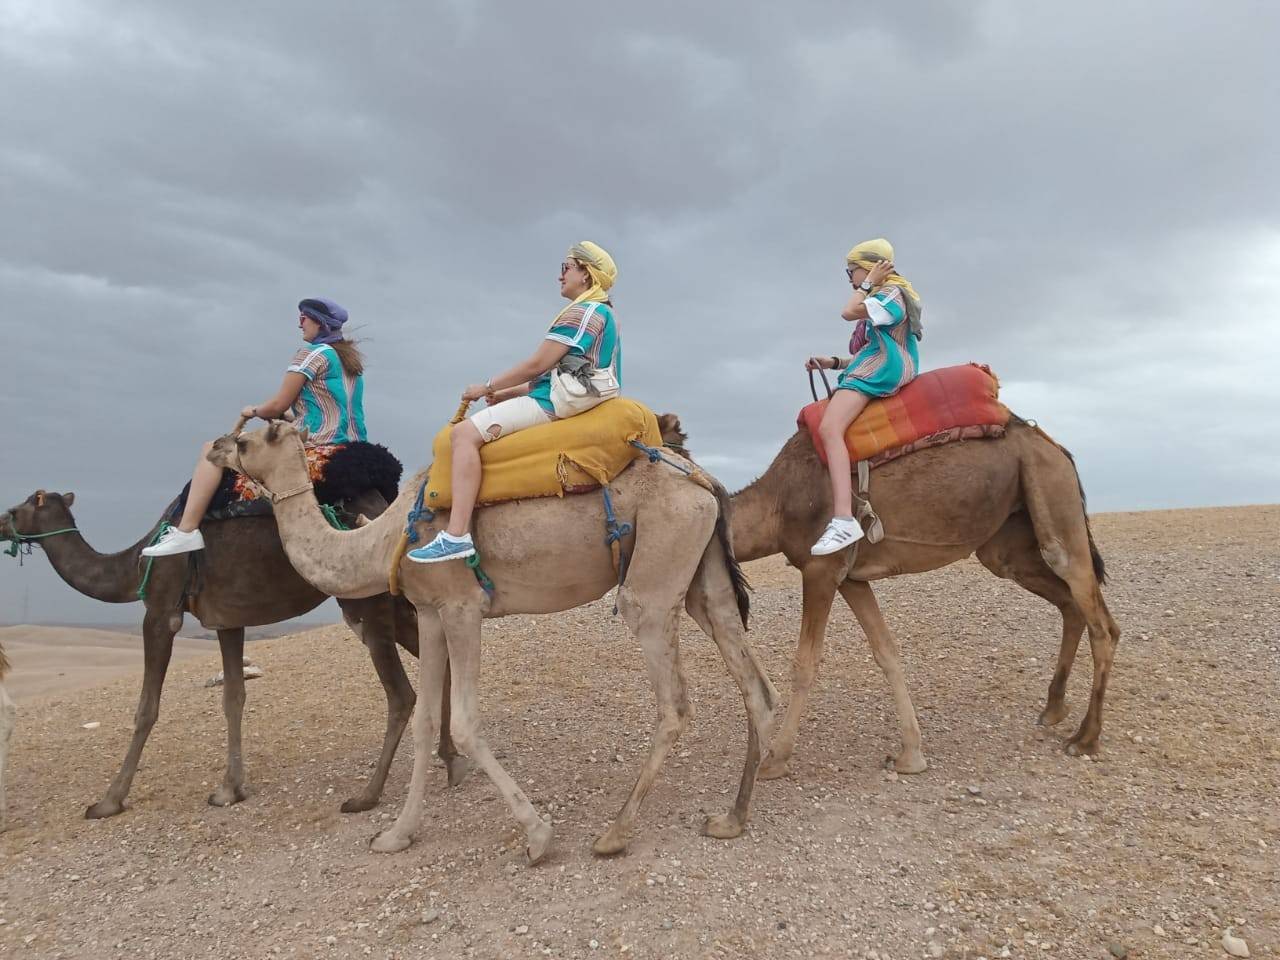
[341, 563]
[109, 577]
[757, 521]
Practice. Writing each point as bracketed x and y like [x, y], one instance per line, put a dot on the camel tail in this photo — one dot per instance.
[1099, 565]
[4, 664]
[741, 586]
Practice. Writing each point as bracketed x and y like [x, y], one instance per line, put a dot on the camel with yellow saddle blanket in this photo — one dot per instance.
[541, 555]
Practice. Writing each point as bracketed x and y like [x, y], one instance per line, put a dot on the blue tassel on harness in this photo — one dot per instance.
[418, 512]
[614, 532]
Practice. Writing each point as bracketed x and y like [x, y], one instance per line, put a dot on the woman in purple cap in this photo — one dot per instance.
[324, 387]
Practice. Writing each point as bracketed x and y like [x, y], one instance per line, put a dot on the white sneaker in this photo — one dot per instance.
[841, 532]
[175, 541]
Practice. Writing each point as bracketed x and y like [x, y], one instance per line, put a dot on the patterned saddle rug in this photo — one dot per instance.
[341, 472]
[954, 403]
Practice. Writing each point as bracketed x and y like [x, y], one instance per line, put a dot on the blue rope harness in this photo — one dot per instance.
[614, 532]
[654, 454]
[420, 512]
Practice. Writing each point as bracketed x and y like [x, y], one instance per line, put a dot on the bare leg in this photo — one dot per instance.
[466, 443]
[157, 638]
[819, 581]
[231, 789]
[8, 714]
[841, 411]
[373, 624]
[659, 638]
[204, 483]
[432, 662]
[711, 603]
[857, 593]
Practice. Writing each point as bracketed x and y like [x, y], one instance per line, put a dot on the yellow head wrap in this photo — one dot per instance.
[870, 252]
[600, 268]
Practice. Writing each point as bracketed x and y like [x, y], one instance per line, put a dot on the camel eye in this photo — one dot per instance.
[241, 445]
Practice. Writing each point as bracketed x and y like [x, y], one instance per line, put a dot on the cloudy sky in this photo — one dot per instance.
[1085, 197]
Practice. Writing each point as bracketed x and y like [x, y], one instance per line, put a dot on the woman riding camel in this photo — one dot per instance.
[885, 359]
[520, 398]
[324, 387]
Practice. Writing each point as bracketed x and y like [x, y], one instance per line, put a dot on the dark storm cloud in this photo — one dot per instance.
[1082, 195]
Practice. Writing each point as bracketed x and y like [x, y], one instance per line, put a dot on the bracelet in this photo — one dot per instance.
[835, 363]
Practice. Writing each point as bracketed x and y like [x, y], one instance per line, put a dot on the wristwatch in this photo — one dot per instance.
[865, 286]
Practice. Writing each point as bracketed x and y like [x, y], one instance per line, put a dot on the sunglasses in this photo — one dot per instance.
[569, 265]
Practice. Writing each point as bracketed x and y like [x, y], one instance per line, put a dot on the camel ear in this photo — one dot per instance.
[40, 495]
[273, 431]
[68, 498]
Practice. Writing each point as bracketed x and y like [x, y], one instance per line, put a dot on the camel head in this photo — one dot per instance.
[273, 456]
[673, 434]
[41, 512]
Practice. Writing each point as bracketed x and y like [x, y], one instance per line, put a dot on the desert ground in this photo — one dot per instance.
[1004, 847]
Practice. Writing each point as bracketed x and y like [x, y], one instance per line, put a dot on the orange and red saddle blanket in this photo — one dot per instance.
[954, 403]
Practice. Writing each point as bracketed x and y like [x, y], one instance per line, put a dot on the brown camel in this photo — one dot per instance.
[543, 556]
[8, 713]
[1016, 501]
[244, 580]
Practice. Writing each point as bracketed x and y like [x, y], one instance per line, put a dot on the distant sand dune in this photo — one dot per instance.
[50, 660]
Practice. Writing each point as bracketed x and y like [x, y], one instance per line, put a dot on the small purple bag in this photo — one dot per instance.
[859, 338]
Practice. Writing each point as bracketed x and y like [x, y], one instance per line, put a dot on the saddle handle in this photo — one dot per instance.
[287, 417]
[826, 383]
[461, 413]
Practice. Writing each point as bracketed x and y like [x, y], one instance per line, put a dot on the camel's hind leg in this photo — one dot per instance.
[8, 714]
[857, 593]
[432, 666]
[1053, 498]
[231, 790]
[712, 604]
[1014, 555]
[819, 578]
[158, 628]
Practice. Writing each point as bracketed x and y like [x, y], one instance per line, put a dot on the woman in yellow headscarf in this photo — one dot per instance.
[520, 397]
[885, 358]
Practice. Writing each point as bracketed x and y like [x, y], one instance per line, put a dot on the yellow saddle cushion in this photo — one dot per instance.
[564, 456]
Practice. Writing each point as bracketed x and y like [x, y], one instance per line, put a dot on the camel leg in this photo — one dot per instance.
[371, 621]
[657, 630]
[1057, 514]
[819, 585]
[157, 640]
[231, 790]
[857, 593]
[1013, 554]
[8, 716]
[462, 632]
[432, 664]
[407, 628]
[711, 604]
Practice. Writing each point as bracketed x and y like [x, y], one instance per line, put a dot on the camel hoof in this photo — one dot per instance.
[359, 804]
[223, 797]
[726, 826]
[1082, 748]
[772, 769]
[103, 809]
[610, 843]
[911, 762]
[459, 767]
[1052, 715]
[389, 841]
[537, 841]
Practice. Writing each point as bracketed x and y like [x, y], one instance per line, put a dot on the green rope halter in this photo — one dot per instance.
[18, 540]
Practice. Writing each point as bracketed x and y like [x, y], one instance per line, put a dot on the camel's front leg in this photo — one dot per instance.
[8, 714]
[231, 790]
[157, 640]
[432, 663]
[462, 630]
[819, 582]
[857, 593]
[371, 621]
[657, 631]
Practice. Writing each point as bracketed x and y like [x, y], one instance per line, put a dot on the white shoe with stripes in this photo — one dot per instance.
[841, 532]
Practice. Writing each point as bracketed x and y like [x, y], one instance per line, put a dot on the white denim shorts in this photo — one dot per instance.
[509, 416]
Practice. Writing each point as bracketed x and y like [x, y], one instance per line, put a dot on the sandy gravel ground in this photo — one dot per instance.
[1004, 847]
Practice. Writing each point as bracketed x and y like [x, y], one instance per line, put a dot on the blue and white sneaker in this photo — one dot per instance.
[444, 547]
